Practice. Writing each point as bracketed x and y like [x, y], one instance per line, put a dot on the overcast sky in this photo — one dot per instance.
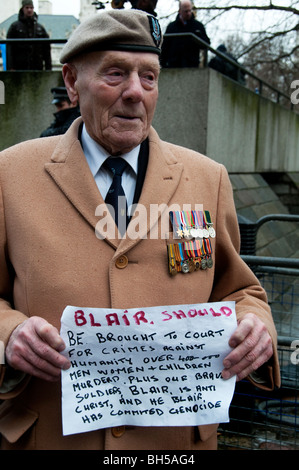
[72, 7]
[217, 31]
[66, 7]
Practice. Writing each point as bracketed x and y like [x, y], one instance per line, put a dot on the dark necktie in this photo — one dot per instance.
[116, 195]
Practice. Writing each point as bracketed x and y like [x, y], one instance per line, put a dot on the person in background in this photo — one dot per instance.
[28, 56]
[144, 5]
[183, 51]
[226, 68]
[55, 251]
[66, 113]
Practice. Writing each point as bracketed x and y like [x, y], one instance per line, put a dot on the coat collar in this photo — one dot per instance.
[70, 171]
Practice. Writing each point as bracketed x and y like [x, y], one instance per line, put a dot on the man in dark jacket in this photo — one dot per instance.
[226, 68]
[24, 56]
[183, 51]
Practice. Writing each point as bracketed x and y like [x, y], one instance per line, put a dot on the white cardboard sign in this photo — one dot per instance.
[157, 366]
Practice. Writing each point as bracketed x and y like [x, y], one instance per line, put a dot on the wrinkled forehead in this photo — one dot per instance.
[104, 59]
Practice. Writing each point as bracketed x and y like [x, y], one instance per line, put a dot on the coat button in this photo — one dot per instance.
[118, 431]
[122, 262]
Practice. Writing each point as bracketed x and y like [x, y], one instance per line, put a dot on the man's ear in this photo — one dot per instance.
[69, 74]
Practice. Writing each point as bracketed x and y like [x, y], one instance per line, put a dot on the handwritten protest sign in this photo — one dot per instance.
[158, 366]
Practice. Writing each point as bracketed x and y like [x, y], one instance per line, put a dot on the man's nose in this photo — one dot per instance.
[133, 88]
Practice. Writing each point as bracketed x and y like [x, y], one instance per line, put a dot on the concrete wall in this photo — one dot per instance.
[233, 115]
[197, 108]
[278, 138]
[182, 109]
[27, 110]
[208, 112]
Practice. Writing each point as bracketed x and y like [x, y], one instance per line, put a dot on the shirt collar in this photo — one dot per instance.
[96, 155]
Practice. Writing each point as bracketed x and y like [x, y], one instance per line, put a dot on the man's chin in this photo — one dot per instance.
[126, 141]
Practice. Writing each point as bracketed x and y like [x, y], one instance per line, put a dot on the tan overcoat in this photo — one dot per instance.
[50, 257]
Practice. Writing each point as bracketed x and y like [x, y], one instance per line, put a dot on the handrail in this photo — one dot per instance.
[271, 261]
[249, 230]
[281, 217]
[33, 40]
[286, 340]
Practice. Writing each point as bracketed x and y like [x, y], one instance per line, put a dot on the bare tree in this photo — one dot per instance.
[263, 35]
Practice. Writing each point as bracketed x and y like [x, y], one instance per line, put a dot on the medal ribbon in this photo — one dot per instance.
[188, 218]
[181, 252]
[171, 255]
[195, 218]
[201, 219]
[208, 218]
[204, 220]
[177, 256]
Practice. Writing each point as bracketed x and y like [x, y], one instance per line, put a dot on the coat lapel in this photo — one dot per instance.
[71, 173]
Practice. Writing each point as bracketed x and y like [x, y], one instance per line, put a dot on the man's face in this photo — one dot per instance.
[61, 105]
[186, 11]
[117, 93]
[28, 11]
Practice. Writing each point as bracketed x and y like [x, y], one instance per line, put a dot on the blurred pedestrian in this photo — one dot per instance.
[227, 68]
[66, 113]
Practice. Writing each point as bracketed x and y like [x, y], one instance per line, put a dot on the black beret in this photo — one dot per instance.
[59, 94]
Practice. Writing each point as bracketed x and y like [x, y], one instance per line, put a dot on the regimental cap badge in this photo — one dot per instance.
[155, 30]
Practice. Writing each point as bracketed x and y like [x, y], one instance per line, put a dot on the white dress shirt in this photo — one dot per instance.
[96, 155]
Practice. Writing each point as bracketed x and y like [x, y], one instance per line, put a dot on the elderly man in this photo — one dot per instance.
[53, 253]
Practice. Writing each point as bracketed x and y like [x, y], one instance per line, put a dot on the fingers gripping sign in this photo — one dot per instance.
[34, 348]
[252, 347]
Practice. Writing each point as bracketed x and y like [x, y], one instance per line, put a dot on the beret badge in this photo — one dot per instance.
[155, 30]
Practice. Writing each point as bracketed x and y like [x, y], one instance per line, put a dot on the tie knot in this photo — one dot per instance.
[116, 165]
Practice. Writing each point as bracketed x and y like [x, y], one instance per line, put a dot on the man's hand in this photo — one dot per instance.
[252, 348]
[34, 347]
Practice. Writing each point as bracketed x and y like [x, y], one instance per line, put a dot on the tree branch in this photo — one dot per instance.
[272, 60]
[253, 7]
[267, 38]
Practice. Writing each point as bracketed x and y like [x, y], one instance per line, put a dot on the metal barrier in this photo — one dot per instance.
[249, 229]
[270, 420]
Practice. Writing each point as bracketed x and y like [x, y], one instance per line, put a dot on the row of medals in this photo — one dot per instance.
[197, 233]
[194, 264]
